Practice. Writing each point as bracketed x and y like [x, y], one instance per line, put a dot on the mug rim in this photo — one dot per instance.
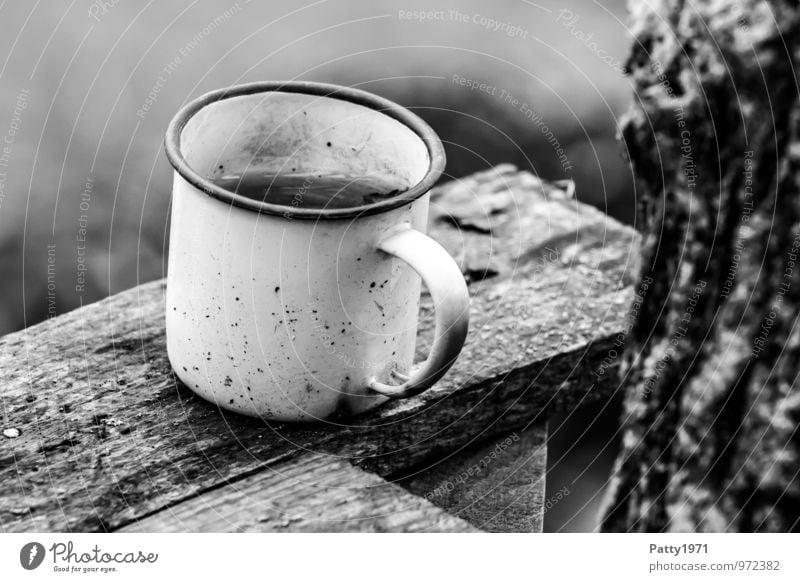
[382, 105]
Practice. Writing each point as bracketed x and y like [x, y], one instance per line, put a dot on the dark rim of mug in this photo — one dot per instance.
[172, 143]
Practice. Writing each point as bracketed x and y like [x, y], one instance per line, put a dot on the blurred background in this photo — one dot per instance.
[88, 87]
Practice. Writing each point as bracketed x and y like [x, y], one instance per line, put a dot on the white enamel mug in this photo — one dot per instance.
[301, 314]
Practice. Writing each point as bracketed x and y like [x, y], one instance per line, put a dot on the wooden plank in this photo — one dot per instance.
[311, 493]
[107, 433]
[496, 486]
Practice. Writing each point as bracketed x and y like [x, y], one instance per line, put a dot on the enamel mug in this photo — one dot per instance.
[294, 313]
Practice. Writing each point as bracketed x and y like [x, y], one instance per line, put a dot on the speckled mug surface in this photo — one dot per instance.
[303, 314]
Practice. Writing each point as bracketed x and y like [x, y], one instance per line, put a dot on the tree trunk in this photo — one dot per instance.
[711, 368]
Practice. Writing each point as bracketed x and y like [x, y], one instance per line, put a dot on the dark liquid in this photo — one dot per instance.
[330, 191]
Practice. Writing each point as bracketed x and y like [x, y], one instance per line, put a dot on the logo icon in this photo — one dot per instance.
[31, 555]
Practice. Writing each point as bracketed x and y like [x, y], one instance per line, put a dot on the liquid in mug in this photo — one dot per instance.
[318, 191]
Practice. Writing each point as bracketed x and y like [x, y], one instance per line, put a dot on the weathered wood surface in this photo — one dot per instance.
[496, 486]
[109, 435]
[713, 398]
[310, 493]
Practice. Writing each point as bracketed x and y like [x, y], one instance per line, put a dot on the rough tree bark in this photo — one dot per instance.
[711, 369]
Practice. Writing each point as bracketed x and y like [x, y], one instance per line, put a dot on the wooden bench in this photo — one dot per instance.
[100, 436]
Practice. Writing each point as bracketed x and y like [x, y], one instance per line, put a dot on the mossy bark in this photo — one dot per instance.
[711, 368]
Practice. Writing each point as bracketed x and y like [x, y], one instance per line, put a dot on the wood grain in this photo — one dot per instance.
[108, 434]
[496, 486]
[311, 493]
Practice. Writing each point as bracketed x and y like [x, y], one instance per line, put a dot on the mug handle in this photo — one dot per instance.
[447, 287]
